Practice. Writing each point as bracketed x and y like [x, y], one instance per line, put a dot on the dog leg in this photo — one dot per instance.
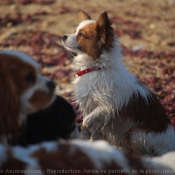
[85, 133]
[97, 135]
[95, 121]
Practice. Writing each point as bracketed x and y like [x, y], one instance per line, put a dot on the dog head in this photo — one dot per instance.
[91, 37]
[23, 89]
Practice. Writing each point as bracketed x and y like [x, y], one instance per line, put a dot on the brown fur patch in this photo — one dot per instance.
[40, 99]
[12, 85]
[106, 31]
[12, 165]
[89, 41]
[150, 116]
[97, 37]
[64, 159]
[83, 16]
[16, 70]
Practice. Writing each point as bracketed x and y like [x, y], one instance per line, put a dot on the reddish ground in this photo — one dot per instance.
[146, 30]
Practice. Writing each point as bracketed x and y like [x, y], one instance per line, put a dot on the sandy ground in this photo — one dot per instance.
[146, 29]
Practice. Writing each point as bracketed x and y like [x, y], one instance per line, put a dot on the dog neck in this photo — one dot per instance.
[107, 60]
[113, 73]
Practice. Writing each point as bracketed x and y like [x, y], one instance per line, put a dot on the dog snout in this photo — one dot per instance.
[64, 38]
[51, 85]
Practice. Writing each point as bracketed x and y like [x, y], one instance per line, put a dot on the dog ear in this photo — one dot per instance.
[105, 30]
[9, 103]
[103, 23]
[83, 16]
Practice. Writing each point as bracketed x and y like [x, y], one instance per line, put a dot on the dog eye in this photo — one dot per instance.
[81, 34]
[30, 77]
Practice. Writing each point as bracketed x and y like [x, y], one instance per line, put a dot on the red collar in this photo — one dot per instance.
[85, 71]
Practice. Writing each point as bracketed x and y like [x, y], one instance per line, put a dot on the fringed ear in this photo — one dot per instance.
[105, 30]
[83, 16]
[9, 104]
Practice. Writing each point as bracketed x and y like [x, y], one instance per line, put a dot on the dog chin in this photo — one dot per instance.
[67, 47]
[74, 50]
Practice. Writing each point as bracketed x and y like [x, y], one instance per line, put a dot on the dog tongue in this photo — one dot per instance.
[73, 54]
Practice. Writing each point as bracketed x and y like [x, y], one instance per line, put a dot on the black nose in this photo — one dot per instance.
[64, 37]
[51, 85]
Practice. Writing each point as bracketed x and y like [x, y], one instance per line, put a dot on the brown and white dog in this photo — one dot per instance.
[23, 90]
[115, 104]
[80, 157]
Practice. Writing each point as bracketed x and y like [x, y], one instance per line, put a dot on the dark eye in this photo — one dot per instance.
[30, 77]
[81, 34]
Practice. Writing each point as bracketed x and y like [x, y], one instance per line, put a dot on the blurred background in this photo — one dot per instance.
[146, 29]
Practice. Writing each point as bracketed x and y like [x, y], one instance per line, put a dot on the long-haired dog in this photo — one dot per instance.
[80, 157]
[115, 104]
[23, 90]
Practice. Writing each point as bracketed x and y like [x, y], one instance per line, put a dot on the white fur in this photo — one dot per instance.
[50, 146]
[164, 164]
[101, 153]
[23, 154]
[167, 160]
[116, 78]
[83, 24]
[100, 94]
[102, 156]
[159, 142]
